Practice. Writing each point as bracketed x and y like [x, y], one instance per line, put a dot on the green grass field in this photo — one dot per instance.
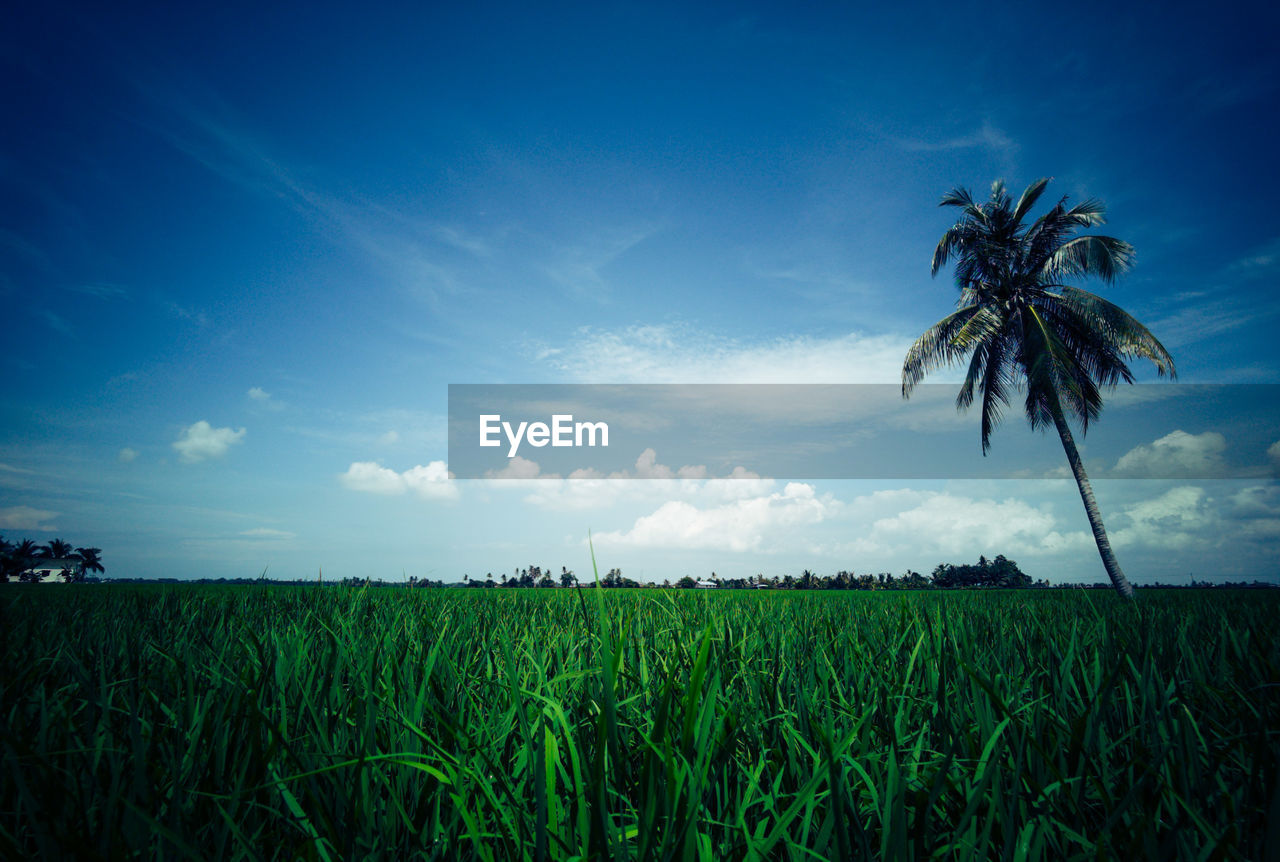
[331, 723]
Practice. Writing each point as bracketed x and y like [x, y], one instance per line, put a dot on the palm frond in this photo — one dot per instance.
[1088, 213]
[1129, 336]
[995, 398]
[958, 197]
[999, 199]
[951, 242]
[1103, 256]
[977, 363]
[980, 328]
[1029, 198]
[934, 348]
[1055, 374]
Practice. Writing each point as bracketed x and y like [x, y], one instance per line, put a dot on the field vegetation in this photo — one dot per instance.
[288, 722]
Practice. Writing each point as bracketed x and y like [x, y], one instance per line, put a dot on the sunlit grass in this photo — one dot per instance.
[330, 723]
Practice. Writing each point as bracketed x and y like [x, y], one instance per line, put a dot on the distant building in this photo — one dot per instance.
[52, 570]
[705, 585]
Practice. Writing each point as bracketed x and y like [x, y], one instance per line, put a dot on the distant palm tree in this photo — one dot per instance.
[15, 559]
[22, 557]
[1022, 329]
[90, 560]
[57, 549]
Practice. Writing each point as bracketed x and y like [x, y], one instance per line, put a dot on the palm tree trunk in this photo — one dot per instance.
[1118, 580]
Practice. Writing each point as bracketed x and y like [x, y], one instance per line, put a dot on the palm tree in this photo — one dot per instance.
[90, 560]
[57, 549]
[20, 557]
[1023, 329]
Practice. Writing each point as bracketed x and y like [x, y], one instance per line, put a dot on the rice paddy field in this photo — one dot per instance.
[172, 722]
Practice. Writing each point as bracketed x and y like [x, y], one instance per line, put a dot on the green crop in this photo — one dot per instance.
[169, 722]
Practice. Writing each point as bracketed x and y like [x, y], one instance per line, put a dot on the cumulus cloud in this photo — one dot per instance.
[1257, 501]
[518, 468]
[958, 525]
[371, 477]
[650, 481]
[1175, 454]
[431, 481]
[126, 455]
[1273, 452]
[1177, 519]
[202, 441]
[683, 354]
[27, 518]
[753, 524]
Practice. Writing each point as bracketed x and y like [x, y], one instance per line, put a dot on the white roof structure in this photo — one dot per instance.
[53, 570]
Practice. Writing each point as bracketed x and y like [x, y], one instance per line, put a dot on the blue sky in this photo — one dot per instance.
[243, 252]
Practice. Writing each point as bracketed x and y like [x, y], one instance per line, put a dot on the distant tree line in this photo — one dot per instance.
[21, 561]
[1000, 572]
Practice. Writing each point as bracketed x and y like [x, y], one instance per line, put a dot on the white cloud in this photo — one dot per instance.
[682, 354]
[651, 481]
[202, 441]
[1257, 501]
[126, 455]
[519, 468]
[962, 526]
[431, 481]
[580, 269]
[1177, 519]
[754, 524]
[986, 137]
[26, 518]
[264, 398]
[389, 439]
[1175, 454]
[267, 533]
[1273, 452]
[372, 478]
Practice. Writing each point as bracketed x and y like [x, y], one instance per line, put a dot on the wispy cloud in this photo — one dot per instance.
[414, 256]
[102, 290]
[579, 269]
[267, 533]
[263, 398]
[1236, 294]
[196, 316]
[1260, 262]
[675, 353]
[27, 518]
[987, 136]
[58, 324]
